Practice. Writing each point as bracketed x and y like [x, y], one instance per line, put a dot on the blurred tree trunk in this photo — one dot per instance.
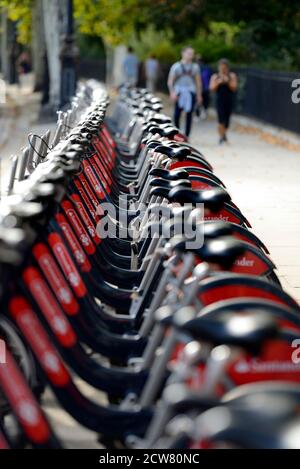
[9, 49]
[38, 46]
[55, 16]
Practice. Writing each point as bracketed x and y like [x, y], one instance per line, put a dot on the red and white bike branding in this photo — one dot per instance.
[81, 177]
[85, 217]
[86, 200]
[23, 402]
[221, 215]
[250, 263]
[49, 307]
[99, 173]
[76, 249]
[99, 168]
[88, 171]
[39, 341]
[55, 278]
[79, 228]
[66, 264]
[273, 363]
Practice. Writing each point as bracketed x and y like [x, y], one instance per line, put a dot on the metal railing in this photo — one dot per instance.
[267, 95]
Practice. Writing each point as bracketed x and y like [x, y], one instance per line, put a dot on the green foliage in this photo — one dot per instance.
[21, 12]
[113, 20]
[160, 43]
[218, 41]
[90, 46]
[261, 32]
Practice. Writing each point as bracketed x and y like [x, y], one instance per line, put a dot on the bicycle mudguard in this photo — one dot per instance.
[285, 316]
[228, 214]
[194, 171]
[202, 182]
[244, 234]
[252, 262]
[228, 286]
[274, 363]
[203, 164]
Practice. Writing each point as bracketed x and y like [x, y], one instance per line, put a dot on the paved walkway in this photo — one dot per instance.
[263, 180]
[18, 118]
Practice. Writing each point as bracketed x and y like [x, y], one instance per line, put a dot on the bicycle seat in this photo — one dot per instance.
[179, 153]
[71, 168]
[158, 182]
[213, 199]
[11, 236]
[160, 191]
[161, 119]
[56, 176]
[164, 132]
[248, 330]
[215, 229]
[156, 107]
[181, 399]
[221, 251]
[35, 188]
[152, 143]
[169, 175]
[251, 400]
[241, 393]
[78, 139]
[259, 426]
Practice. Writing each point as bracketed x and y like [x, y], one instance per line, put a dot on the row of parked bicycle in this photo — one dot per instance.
[124, 262]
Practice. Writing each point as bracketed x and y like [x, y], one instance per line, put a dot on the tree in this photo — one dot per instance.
[38, 46]
[54, 14]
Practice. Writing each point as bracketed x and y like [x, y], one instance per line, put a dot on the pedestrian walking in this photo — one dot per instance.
[151, 73]
[185, 89]
[224, 84]
[131, 68]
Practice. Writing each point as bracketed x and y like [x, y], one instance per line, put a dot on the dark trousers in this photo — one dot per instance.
[205, 99]
[189, 116]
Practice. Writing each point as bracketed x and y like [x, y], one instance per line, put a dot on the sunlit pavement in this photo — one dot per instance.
[263, 180]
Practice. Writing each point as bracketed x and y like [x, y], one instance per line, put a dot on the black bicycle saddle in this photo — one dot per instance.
[222, 251]
[248, 331]
[25, 210]
[214, 199]
[215, 229]
[169, 184]
[152, 143]
[254, 427]
[174, 174]
[178, 153]
[240, 394]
